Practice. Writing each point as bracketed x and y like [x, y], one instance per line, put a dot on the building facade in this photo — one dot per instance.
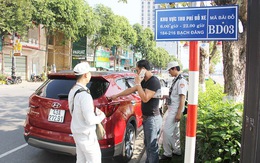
[30, 60]
[33, 58]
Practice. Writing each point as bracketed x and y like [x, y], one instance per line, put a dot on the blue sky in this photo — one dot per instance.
[131, 10]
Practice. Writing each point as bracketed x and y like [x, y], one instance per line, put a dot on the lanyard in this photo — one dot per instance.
[173, 83]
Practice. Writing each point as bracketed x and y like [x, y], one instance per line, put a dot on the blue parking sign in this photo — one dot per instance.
[204, 23]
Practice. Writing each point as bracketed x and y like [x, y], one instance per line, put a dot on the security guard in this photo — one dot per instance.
[84, 120]
[171, 119]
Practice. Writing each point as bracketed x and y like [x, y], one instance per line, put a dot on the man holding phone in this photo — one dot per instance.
[146, 85]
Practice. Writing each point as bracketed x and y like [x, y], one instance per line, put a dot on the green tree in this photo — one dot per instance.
[104, 35]
[136, 47]
[234, 55]
[90, 21]
[214, 56]
[159, 57]
[147, 42]
[125, 35]
[65, 16]
[15, 16]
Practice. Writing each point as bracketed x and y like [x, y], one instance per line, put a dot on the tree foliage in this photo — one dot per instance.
[65, 16]
[90, 21]
[15, 16]
[105, 31]
[159, 57]
[136, 47]
[147, 42]
[75, 19]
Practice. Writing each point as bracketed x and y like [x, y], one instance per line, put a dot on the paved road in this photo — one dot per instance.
[13, 148]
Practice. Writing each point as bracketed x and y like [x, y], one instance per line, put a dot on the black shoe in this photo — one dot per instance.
[176, 154]
[163, 157]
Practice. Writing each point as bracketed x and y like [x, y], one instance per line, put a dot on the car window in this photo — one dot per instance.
[97, 87]
[121, 83]
[59, 88]
[130, 82]
[55, 88]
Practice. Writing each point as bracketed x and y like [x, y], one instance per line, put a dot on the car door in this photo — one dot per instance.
[136, 101]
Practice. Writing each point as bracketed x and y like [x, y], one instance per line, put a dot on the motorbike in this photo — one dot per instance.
[13, 80]
[35, 78]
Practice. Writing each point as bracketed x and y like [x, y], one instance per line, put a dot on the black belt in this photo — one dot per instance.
[146, 116]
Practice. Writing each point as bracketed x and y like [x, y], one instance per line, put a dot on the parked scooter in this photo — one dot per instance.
[13, 80]
[35, 78]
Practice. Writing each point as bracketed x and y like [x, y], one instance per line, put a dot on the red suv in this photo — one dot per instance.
[47, 124]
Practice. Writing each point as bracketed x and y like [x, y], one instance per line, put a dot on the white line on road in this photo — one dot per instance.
[13, 150]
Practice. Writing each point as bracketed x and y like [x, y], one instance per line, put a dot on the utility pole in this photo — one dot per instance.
[250, 145]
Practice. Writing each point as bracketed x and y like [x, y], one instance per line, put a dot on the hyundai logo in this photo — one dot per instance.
[56, 105]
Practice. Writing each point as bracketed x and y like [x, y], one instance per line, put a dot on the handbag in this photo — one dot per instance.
[100, 131]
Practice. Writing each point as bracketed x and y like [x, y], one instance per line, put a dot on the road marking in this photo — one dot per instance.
[13, 150]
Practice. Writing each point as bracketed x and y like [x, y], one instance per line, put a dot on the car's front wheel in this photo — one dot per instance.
[129, 144]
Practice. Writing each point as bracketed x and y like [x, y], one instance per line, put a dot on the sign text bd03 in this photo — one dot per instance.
[203, 23]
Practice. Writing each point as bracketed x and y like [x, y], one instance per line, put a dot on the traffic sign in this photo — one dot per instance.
[197, 24]
[171, 1]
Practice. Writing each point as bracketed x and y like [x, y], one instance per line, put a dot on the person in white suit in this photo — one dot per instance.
[171, 119]
[84, 120]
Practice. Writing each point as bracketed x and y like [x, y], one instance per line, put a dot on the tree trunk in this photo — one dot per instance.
[234, 57]
[234, 61]
[202, 70]
[94, 57]
[47, 51]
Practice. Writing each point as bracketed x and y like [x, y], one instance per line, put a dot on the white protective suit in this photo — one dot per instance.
[171, 130]
[83, 126]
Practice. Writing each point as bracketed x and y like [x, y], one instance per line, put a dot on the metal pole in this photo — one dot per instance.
[13, 58]
[192, 103]
[191, 124]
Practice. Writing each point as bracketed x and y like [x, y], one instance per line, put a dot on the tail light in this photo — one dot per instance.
[33, 106]
[109, 109]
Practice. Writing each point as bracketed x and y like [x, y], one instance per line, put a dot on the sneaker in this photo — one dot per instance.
[163, 157]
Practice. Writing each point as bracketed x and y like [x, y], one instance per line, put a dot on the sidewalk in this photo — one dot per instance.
[139, 152]
[143, 158]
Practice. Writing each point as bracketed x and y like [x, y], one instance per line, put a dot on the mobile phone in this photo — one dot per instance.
[142, 73]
